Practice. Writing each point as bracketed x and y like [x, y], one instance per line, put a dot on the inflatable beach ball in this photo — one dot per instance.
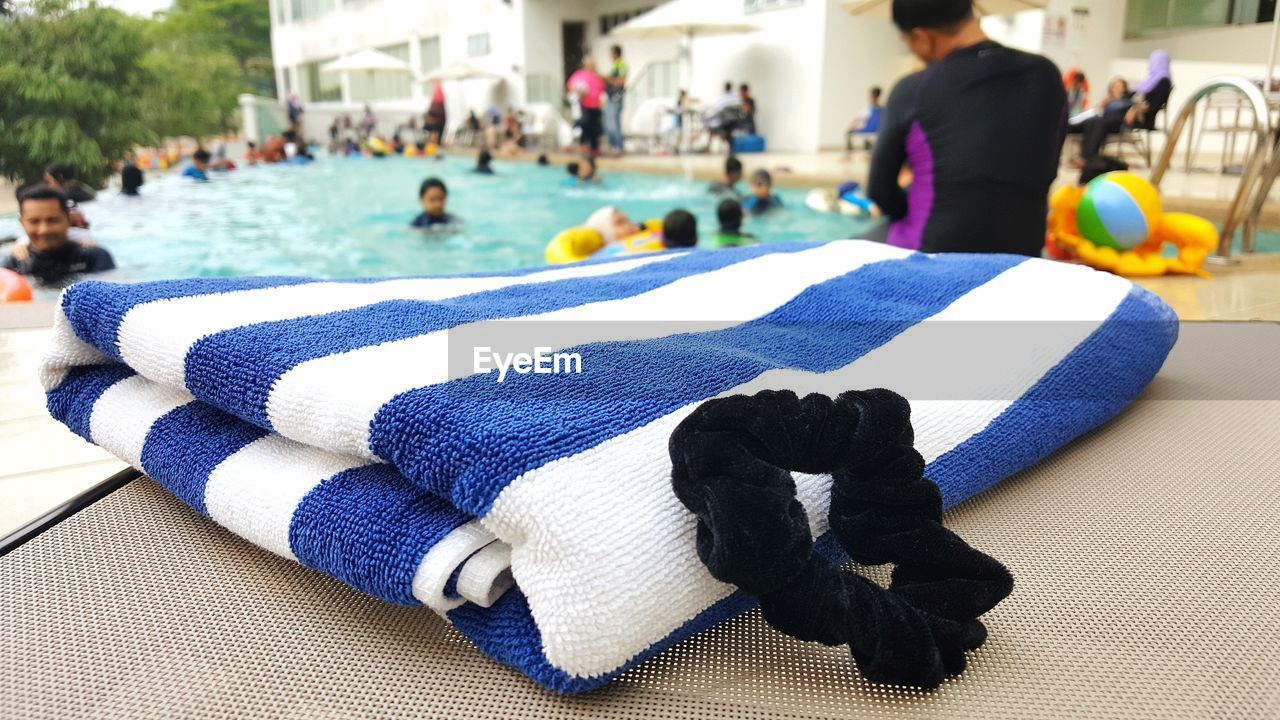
[1119, 210]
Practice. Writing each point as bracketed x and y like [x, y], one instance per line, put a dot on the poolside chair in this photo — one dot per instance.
[1145, 555]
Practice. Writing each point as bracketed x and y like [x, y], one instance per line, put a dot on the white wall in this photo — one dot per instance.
[859, 52]
[1089, 43]
[1239, 45]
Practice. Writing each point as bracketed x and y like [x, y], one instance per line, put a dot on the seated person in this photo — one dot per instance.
[1114, 107]
[679, 230]
[433, 195]
[199, 167]
[63, 179]
[867, 125]
[1149, 98]
[727, 185]
[729, 213]
[49, 254]
[762, 199]
[723, 117]
[131, 176]
[483, 163]
[982, 128]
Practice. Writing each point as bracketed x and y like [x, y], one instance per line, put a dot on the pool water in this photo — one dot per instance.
[349, 217]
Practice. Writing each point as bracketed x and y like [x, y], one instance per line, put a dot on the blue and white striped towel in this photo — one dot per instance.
[323, 421]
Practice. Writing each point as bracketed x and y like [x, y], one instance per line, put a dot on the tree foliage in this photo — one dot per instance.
[70, 83]
[81, 84]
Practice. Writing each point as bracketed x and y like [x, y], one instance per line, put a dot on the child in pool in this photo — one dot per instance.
[581, 173]
[679, 229]
[433, 195]
[483, 163]
[730, 214]
[762, 199]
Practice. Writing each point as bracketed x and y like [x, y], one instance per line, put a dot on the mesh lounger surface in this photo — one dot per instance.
[1146, 558]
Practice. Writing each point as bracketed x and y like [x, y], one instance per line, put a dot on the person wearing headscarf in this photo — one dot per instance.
[1149, 97]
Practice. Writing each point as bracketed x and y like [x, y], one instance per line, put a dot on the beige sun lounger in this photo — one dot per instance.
[1147, 558]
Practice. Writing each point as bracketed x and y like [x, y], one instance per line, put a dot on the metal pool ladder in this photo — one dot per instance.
[1260, 171]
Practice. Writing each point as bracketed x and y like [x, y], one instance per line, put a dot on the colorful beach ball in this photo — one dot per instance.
[1119, 210]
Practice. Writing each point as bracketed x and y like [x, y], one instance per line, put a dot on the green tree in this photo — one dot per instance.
[239, 27]
[70, 83]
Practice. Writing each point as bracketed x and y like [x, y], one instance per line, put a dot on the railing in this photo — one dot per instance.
[658, 79]
[1254, 169]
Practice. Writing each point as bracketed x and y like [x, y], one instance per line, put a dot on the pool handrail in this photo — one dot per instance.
[1253, 169]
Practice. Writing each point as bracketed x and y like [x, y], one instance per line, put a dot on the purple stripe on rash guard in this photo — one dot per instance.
[908, 232]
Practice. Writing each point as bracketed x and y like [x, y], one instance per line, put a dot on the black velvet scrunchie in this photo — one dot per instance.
[732, 461]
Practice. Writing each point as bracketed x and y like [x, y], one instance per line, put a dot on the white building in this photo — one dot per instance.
[809, 67]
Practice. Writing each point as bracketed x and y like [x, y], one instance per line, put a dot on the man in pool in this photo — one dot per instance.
[679, 229]
[433, 195]
[762, 199]
[727, 185]
[50, 255]
[981, 128]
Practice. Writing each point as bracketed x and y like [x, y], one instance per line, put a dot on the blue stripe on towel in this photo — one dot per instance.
[236, 369]
[469, 438]
[370, 528]
[72, 401]
[185, 445]
[1066, 402]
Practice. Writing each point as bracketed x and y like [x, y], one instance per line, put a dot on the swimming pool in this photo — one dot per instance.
[349, 217]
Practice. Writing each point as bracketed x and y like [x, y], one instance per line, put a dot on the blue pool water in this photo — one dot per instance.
[348, 217]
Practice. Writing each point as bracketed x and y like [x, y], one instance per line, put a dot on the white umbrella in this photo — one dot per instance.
[984, 7]
[687, 19]
[461, 70]
[368, 61]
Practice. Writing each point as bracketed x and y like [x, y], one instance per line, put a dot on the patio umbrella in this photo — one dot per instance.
[368, 61]
[984, 7]
[685, 20]
[461, 71]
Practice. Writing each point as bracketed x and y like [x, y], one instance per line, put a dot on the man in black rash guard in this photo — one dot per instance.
[982, 130]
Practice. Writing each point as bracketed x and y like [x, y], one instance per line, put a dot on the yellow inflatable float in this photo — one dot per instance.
[580, 243]
[1116, 223]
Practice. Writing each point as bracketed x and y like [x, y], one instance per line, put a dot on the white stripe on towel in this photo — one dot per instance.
[65, 351]
[255, 491]
[124, 413]
[486, 575]
[154, 337]
[444, 557]
[331, 401]
[551, 516]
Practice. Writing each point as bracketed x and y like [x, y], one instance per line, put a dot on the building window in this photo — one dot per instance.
[1147, 17]
[755, 6]
[430, 52]
[613, 20]
[478, 45]
[305, 9]
[541, 88]
[316, 86]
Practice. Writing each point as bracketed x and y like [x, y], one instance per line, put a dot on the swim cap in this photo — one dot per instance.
[602, 222]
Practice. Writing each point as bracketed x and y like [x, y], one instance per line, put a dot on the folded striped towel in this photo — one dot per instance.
[340, 423]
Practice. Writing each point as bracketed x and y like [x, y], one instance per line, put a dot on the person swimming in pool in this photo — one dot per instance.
[582, 172]
[434, 195]
[612, 224]
[761, 200]
[981, 127]
[484, 164]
